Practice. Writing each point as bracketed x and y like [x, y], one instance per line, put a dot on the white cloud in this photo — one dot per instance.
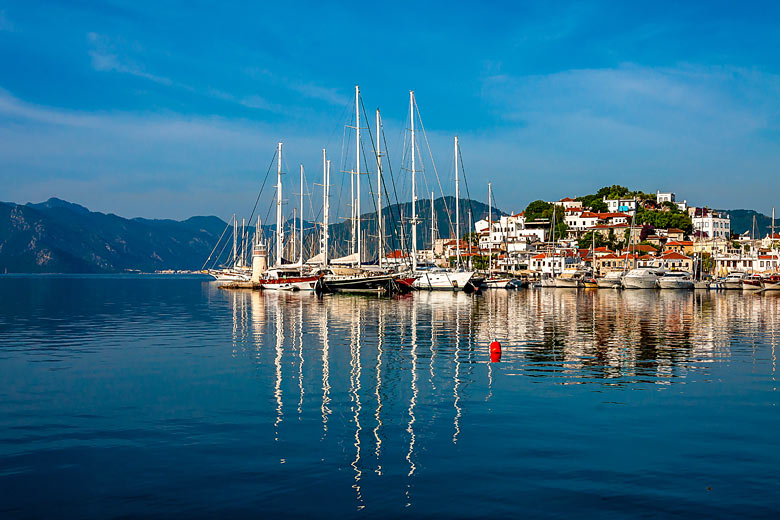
[105, 57]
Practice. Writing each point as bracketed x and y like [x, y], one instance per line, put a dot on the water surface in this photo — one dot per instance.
[164, 396]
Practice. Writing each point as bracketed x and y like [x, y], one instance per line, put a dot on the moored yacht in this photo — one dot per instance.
[675, 280]
[570, 278]
[733, 280]
[612, 280]
[772, 282]
[752, 282]
[439, 279]
[641, 278]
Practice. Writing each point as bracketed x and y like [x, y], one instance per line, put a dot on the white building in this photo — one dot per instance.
[622, 205]
[549, 263]
[568, 203]
[660, 198]
[710, 224]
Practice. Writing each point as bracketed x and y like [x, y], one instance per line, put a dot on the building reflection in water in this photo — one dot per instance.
[354, 363]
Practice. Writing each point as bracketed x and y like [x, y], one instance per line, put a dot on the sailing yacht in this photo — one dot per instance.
[284, 277]
[347, 274]
[435, 279]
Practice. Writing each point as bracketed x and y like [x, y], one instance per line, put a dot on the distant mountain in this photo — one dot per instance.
[742, 221]
[57, 236]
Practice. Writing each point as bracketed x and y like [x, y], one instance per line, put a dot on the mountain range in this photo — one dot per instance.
[57, 236]
[742, 221]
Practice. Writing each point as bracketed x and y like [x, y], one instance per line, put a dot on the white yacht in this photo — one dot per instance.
[437, 279]
[675, 280]
[733, 280]
[612, 280]
[641, 278]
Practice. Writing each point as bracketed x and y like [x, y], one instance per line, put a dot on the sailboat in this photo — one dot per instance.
[493, 281]
[434, 278]
[348, 274]
[284, 277]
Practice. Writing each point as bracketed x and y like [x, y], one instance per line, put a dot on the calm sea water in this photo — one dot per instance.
[166, 397]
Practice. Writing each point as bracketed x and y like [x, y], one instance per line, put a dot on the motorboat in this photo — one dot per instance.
[752, 282]
[611, 280]
[570, 278]
[701, 284]
[733, 280]
[675, 280]
[439, 279]
[590, 282]
[641, 278]
[497, 282]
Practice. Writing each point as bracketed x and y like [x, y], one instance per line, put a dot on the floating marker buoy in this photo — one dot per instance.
[495, 357]
[495, 346]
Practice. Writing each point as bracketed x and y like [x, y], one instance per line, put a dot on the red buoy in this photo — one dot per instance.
[495, 346]
[495, 357]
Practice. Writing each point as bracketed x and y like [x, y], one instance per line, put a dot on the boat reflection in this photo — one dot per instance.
[355, 363]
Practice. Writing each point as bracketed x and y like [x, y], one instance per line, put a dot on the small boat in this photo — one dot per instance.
[612, 280]
[287, 279]
[733, 280]
[496, 282]
[772, 282]
[752, 282]
[590, 283]
[641, 278]
[675, 280]
[570, 278]
[439, 279]
[547, 280]
[701, 284]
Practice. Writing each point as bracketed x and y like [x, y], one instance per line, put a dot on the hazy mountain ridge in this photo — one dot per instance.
[742, 221]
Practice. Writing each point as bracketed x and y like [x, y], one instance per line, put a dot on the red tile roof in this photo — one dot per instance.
[673, 255]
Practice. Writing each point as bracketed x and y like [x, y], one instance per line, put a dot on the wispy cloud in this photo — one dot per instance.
[307, 89]
[105, 57]
[128, 160]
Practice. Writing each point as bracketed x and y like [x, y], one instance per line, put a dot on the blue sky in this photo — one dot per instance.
[170, 109]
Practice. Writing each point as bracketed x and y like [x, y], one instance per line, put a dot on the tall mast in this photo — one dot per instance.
[379, 188]
[243, 240]
[433, 226]
[352, 210]
[414, 195]
[325, 189]
[235, 240]
[490, 228]
[457, 207]
[300, 256]
[294, 241]
[357, 170]
[279, 230]
[471, 226]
